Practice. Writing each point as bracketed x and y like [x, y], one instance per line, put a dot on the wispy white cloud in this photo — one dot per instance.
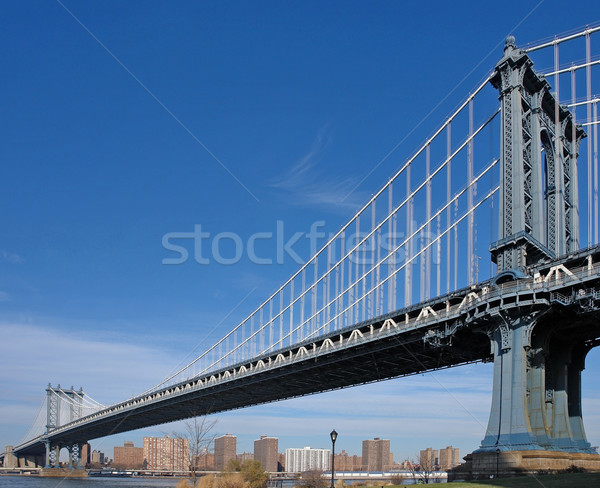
[305, 183]
[32, 356]
[10, 257]
[40, 355]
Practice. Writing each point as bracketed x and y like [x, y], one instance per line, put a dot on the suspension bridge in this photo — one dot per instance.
[399, 289]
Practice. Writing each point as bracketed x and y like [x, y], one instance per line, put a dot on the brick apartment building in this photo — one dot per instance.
[128, 456]
[225, 449]
[265, 451]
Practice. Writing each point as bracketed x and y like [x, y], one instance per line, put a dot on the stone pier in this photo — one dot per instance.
[63, 473]
[485, 465]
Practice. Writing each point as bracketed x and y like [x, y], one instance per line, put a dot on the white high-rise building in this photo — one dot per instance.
[307, 459]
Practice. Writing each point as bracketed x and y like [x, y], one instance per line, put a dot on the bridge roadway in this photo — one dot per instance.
[447, 331]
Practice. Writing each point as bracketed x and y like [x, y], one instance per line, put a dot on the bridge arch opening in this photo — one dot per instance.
[63, 456]
[549, 188]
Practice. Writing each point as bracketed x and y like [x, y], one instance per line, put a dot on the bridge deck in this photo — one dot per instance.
[444, 332]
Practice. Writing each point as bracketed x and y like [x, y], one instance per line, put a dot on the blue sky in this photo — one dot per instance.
[122, 123]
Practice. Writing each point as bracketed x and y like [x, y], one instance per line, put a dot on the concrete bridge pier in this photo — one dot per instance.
[52, 454]
[509, 425]
[557, 421]
[536, 419]
[10, 460]
[30, 461]
[52, 466]
[75, 455]
[576, 366]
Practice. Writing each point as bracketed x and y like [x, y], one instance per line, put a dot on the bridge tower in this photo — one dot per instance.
[539, 209]
[56, 398]
[538, 352]
[52, 423]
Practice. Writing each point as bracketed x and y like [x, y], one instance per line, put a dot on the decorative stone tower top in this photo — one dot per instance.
[539, 214]
[510, 43]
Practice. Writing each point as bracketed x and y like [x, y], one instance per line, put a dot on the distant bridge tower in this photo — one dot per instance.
[539, 209]
[57, 400]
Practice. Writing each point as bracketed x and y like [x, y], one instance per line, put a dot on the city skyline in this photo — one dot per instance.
[376, 455]
[302, 113]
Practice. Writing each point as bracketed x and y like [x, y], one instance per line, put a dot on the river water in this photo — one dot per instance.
[93, 482]
[110, 482]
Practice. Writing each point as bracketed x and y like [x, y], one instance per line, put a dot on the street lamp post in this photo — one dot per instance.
[333, 436]
[497, 461]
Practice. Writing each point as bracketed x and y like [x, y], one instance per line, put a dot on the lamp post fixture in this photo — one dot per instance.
[333, 436]
[497, 461]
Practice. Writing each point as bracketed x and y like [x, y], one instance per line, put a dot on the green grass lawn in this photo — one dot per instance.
[571, 480]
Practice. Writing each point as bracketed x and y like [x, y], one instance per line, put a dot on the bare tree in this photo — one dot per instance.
[312, 479]
[199, 434]
[397, 478]
[413, 468]
[424, 470]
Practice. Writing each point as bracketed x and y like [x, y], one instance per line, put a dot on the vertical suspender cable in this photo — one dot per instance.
[291, 312]
[280, 319]
[391, 243]
[573, 156]
[271, 327]
[428, 216]
[252, 343]
[302, 303]
[342, 283]
[456, 246]
[559, 167]
[327, 287]
[378, 291]
[261, 335]
[438, 257]
[374, 246]
[313, 307]
[337, 294]
[220, 352]
[363, 258]
[422, 245]
[350, 290]
[394, 261]
[588, 86]
[408, 253]
[356, 286]
[471, 219]
[448, 197]
[595, 132]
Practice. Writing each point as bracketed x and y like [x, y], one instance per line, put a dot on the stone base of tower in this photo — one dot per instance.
[484, 465]
[63, 473]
